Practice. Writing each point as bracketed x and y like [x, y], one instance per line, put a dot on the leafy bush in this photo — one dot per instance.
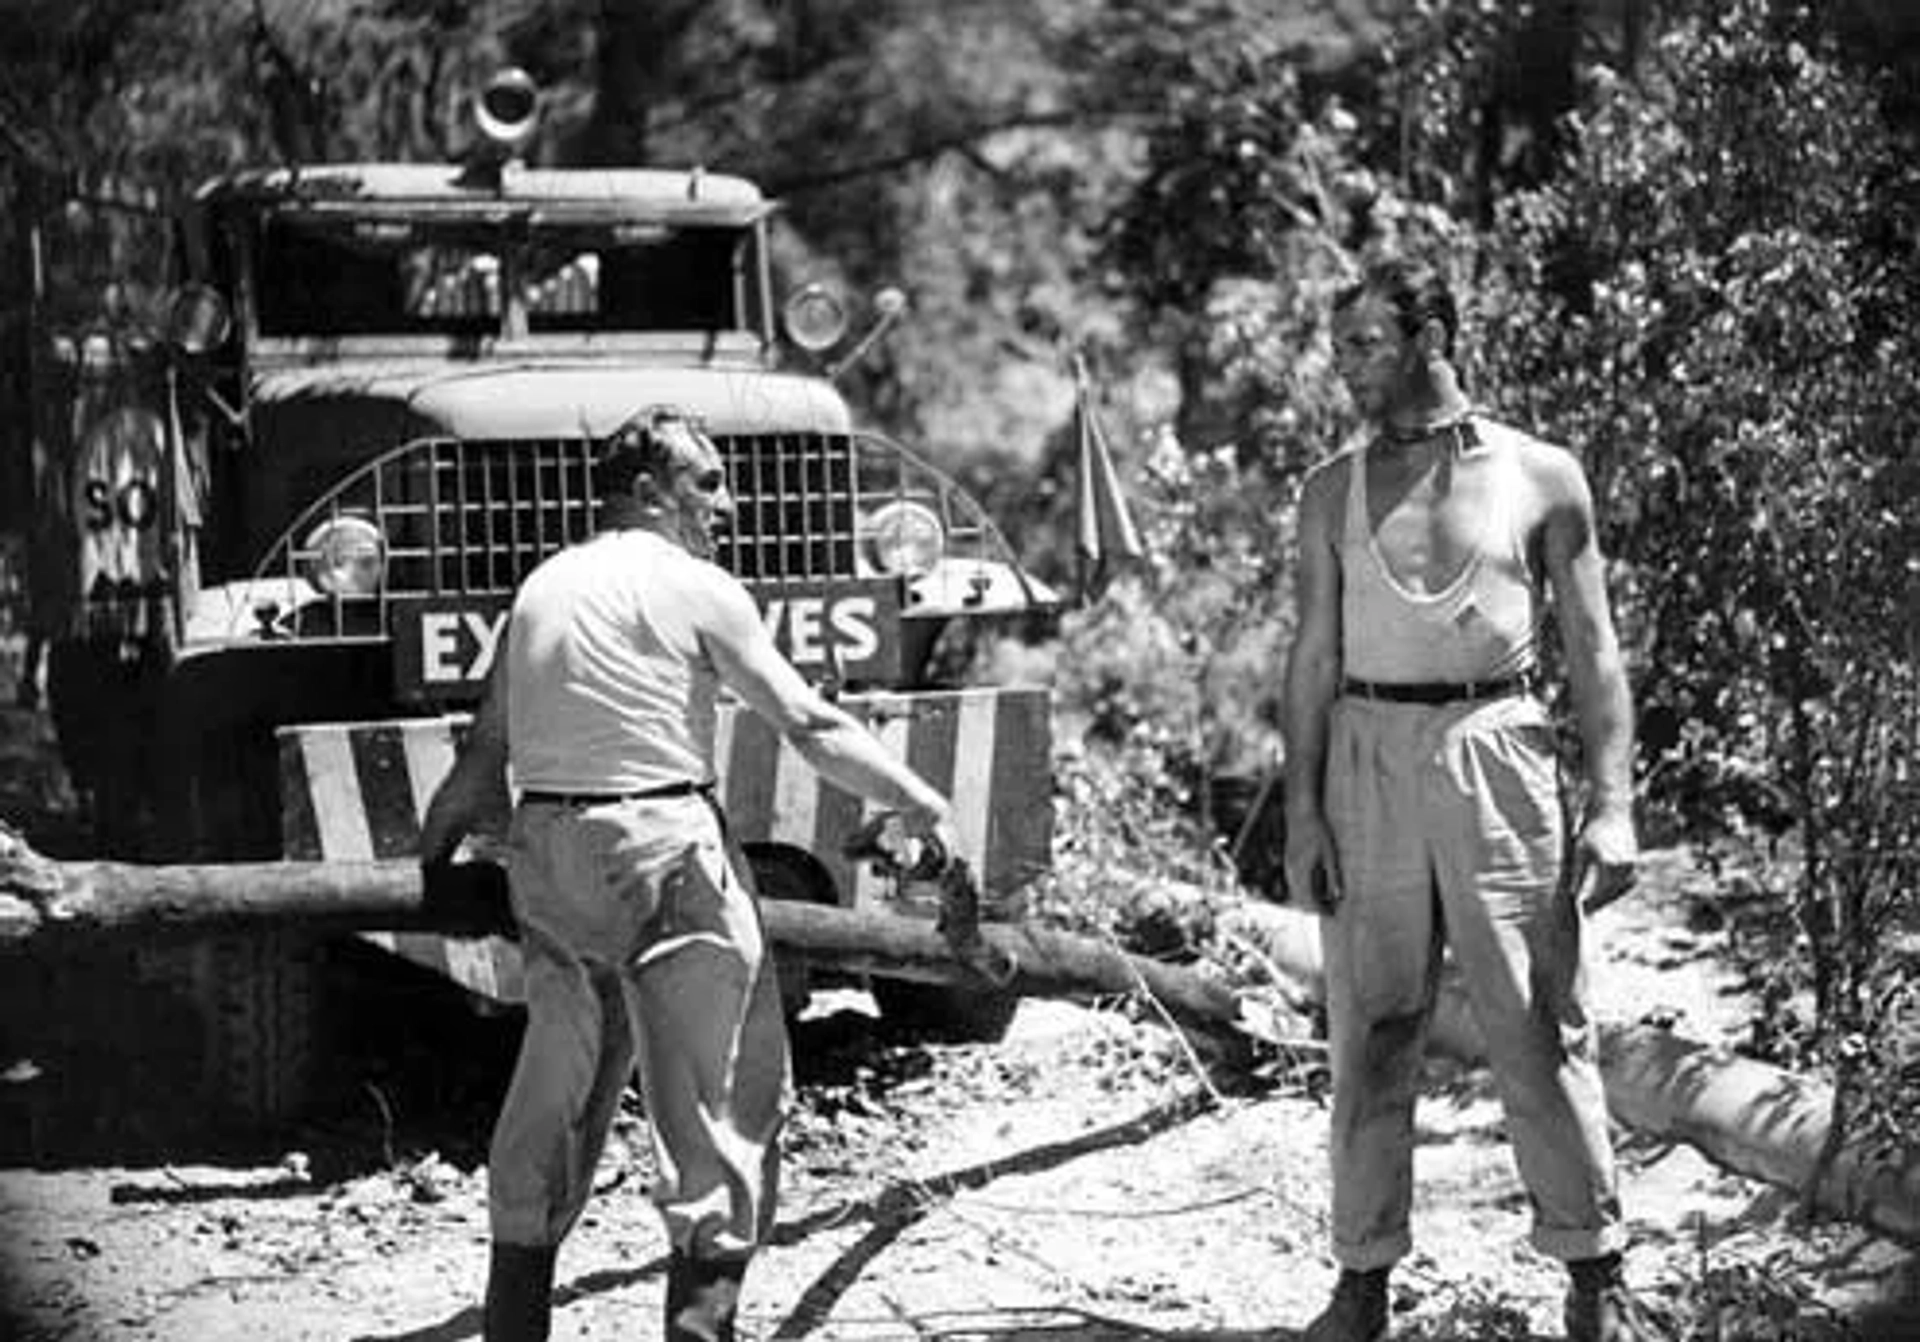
[1713, 299]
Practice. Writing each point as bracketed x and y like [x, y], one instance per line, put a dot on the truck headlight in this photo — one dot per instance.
[904, 539]
[816, 318]
[347, 557]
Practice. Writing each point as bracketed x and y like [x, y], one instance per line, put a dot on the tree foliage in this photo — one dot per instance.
[1714, 297]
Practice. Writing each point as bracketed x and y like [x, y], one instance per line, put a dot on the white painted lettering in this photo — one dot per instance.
[803, 630]
[487, 634]
[855, 639]
[439, 647]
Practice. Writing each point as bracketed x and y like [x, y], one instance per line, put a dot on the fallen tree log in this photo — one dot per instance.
[1744, 1115]
[45, 905]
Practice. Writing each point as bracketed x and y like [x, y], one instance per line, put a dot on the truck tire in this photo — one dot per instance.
[167, 1049]
[255, 997]
[944, 1012]
[255, 1006]
[264, 1027]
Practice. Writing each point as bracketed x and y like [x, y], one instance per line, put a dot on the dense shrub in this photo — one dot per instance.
[1714, 300]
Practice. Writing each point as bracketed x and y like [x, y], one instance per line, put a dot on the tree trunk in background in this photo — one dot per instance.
[639, 56]
[1536, 86]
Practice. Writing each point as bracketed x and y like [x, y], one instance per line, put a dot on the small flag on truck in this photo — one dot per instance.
[1105, 538]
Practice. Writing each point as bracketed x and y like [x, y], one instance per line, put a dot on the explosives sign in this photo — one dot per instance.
[444, 646]
[848, 629]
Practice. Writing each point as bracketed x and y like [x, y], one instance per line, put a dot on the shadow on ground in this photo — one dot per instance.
[104, 1062]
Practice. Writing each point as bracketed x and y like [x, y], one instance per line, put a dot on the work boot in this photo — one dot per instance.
[703, 1295]
[1357, 1312]
[519, 1293]
[1600, 1308]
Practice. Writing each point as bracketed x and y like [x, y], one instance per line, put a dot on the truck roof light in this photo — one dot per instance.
[508, 109]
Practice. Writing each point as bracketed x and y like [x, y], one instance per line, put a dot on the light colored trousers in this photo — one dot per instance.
[643, 949]
[1449, 829]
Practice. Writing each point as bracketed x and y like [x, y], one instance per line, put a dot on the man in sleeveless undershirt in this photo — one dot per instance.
[1424, 799]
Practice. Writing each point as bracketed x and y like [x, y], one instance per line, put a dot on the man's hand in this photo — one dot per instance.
[1606, 858]
[442, 830]
[918, 844]
[1313, 870]
[941, 830]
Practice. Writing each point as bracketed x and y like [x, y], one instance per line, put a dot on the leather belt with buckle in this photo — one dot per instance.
[1435, 692]
[684, 788]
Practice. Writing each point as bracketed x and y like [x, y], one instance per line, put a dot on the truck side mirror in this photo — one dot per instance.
[197, 319]
[889, 306]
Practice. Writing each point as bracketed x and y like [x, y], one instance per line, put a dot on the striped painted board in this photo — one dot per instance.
[357, 791]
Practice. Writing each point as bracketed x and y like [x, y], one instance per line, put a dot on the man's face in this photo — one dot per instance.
[696, 500]
[1371, 353]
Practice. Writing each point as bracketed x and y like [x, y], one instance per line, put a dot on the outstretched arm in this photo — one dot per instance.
[826, 736]
[1607, 849]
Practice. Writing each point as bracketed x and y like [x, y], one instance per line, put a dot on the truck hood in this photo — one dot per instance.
[358, 407]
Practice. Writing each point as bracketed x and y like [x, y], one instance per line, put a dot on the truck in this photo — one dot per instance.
[297, 481]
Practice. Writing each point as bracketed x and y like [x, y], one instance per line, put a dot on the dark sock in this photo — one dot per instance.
[519, 1304]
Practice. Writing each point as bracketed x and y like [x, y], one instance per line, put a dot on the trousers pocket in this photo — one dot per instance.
[691, 905]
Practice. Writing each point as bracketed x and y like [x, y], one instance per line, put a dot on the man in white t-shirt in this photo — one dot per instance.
[643, 947]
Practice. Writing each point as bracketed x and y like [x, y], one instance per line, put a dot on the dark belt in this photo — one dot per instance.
[1438, 691]
[686, 787]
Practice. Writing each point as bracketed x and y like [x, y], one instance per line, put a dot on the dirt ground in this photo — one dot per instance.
[1086, 1178]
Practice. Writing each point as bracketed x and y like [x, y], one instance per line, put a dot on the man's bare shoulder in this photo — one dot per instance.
[714, 592]
[1327, 478]
[1554, 471]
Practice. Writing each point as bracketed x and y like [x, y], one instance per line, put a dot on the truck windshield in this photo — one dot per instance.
[326, 276]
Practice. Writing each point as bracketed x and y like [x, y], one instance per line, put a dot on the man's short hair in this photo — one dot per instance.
[641, 446]
[1418, 292]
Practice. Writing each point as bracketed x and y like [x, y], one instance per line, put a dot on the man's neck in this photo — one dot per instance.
[1435, 415]
[640, 519]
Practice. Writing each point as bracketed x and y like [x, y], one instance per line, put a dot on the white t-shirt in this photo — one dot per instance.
[608, 687]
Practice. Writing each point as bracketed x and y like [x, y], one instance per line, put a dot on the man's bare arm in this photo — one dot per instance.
[826, 736]
[476, 786]
[1597, 679]
[1596, 671]
[1312, 682]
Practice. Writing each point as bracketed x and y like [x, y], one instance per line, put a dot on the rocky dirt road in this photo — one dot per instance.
[1084, 1179]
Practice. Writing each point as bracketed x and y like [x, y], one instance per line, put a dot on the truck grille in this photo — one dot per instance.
[473, 517]
[795, 496]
